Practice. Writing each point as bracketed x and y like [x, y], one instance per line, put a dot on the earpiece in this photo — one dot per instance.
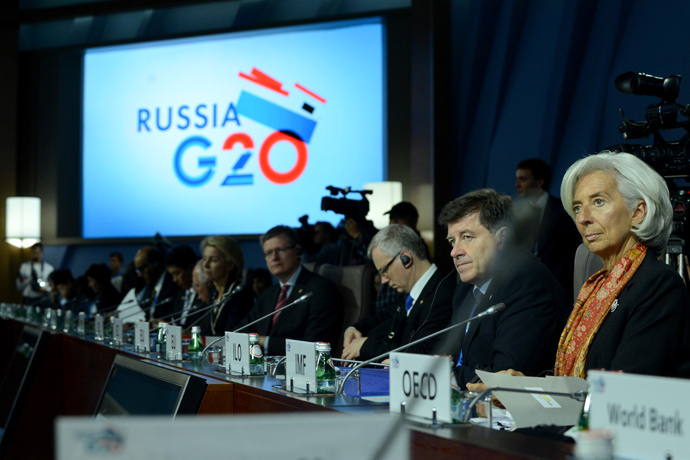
[299, 250]
[406, 261]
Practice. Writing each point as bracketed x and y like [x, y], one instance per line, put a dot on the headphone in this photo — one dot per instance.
[406, 261]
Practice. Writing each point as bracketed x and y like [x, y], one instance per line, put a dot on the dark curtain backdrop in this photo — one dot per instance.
[535, 79]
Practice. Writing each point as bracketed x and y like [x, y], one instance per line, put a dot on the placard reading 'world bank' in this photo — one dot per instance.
[649, 416]
[422, 383]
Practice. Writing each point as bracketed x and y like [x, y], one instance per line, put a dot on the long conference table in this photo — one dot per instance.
[74, 370]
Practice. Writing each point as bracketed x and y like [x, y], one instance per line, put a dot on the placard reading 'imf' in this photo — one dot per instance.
[256, 124]
[422, 383]
[300, 364]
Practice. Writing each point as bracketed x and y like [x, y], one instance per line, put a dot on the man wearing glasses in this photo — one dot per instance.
[317, 319]
[400, 256]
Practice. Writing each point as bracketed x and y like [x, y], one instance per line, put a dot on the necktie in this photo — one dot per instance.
[282, 298]
[154, 299]
[408, 303]
[477, 300]
[186, 307]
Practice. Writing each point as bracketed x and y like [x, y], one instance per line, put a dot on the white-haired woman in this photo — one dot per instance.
[632, 315]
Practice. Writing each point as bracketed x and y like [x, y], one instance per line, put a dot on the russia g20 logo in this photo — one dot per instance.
[290, 127]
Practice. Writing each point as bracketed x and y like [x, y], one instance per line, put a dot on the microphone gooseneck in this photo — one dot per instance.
[492, 310]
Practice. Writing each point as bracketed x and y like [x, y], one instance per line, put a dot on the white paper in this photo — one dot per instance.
[528, 410]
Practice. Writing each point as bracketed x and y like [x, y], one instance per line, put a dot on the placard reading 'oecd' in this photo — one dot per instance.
[237, 351]
[648, 415]
[300, 364]
[142, 341]
[422, 383]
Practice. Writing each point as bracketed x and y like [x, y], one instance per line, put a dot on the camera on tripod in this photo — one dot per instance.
[356, 209]
[668, 158]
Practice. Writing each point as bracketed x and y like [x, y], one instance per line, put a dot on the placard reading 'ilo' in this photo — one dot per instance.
[422, 383]
[237, 352]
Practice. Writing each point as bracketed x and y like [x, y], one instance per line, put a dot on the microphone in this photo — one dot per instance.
[147, 302]
[492, 310]
[209, 308]
[114, 307]
[299, 300]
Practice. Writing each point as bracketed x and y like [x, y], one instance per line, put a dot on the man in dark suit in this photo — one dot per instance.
[542, 225]
[159, 292]
[399, 255]
[180, 262]
[318, 319]
[525, 335]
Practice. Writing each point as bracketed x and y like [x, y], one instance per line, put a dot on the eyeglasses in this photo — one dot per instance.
[278, 251]
[383, 271]
[141, 270]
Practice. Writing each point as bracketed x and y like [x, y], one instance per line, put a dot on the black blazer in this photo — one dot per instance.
[192, 316]
[557, 238]
[557, 242]
[168, 291]
[648, 331]
[317, 319]
[431, 312]
[525, 335]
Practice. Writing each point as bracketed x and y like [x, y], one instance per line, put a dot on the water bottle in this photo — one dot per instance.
[161, 339]
[256, 356]
[196, 347]
[325, 372]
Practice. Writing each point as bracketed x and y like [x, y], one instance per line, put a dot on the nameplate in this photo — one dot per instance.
[81, 323]
[142, 339]
[293, 436]
[237, 351]
[300, 364]
[422, 383]
[99, 332]
[173, 343]
[649, 416]
[117, 332]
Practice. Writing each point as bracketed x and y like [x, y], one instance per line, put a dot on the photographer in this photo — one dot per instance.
[32, 278]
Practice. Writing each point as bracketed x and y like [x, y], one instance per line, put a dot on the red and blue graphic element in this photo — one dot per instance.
[289, 126]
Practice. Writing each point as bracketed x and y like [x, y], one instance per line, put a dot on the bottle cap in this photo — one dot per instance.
[323, 346]
[196, 330]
